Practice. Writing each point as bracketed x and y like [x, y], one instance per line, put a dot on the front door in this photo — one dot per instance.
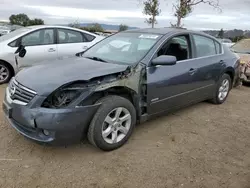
[170, 87]
[40, 46]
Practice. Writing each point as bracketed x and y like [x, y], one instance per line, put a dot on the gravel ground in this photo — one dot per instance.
[203, 145]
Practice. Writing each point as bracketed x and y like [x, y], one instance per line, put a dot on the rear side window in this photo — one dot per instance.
[88, 37]
[69, 36]
[204, 46]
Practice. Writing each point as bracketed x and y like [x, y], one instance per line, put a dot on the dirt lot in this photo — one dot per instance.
[201, 146]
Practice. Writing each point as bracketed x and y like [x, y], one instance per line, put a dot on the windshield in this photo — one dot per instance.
[123, 48]
[243, 46]
[13, 34]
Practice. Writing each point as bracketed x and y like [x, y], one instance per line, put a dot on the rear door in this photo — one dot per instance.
[70, 42]
[40, 46]
[209, 63]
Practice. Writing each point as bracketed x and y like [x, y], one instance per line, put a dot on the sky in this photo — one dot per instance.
[234, 14]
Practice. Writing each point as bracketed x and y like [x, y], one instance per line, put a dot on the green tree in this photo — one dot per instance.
[19, 19]
[23, 20]
[184, 7]
[96, 27]
[36, 21]
[221, 34]
[238, 38]
[151, 8]
[123, 27]
[93, 28]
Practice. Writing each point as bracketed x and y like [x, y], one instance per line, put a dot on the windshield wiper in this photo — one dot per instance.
[97, 59]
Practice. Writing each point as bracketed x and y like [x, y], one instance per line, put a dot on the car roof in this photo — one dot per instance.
[167, 30]
[59, 26]
[47, 26]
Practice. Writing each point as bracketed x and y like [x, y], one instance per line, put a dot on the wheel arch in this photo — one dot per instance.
[9, 66]
[230, 71]
[122, 91]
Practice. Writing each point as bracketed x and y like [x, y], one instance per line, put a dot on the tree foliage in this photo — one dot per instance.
[36, 21]
[237, 38]
[123, 27]
[19, 19]
[24, 20]
[151, 8]
[184, 7]
[221, 34]
[93, 28]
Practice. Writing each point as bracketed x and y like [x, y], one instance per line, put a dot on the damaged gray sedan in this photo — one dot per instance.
[125, 79]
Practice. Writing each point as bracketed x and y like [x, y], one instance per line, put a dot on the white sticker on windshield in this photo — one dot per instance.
[149, 36]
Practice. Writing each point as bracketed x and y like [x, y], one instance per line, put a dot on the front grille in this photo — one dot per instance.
[20, 92]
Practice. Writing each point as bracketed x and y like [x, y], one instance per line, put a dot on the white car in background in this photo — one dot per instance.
[42, 43]
[4, 30]
[226, 42]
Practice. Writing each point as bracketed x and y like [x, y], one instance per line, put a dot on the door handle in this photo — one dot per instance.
[51, 50]
[221, 62]
[192, 71]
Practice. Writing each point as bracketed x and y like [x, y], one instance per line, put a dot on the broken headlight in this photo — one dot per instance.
[63, 96]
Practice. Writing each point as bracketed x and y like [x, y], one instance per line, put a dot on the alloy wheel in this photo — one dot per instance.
[224, 89]
[4, 73]
[116, 125]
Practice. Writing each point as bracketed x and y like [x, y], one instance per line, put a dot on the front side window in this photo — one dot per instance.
[177, 46]
[69, 36]
[40, 37]
[123, 48]
[204, 46]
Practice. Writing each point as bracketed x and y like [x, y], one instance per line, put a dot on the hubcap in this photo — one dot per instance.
[4, 73]
[223, 90]
[116, 125]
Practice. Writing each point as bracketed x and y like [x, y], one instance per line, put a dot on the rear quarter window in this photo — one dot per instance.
[218, 47]
[88, 37]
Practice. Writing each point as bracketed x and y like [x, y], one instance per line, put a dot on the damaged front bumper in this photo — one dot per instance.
[55, 126]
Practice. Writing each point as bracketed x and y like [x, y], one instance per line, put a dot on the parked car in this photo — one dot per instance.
[4, 30]
[104, 92]
[242, 48]
[43, 43]
[227, 42]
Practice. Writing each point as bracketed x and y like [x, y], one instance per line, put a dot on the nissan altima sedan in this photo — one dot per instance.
[125, 79]
[43, 43]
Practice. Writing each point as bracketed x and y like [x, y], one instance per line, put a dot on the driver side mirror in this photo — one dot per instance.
[21, 50]
[79, 54]
[164, 60]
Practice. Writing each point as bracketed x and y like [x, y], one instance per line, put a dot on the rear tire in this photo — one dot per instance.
[223, 88]
[113, 123]
[5, 72]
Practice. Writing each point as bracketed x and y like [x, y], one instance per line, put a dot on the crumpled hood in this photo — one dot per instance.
[46, 78]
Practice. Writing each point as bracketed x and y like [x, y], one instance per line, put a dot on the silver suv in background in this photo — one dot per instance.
[43, 43]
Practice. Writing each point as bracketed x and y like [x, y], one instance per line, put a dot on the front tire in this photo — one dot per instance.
[5, 73]
[113, 123]
[222, 89]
